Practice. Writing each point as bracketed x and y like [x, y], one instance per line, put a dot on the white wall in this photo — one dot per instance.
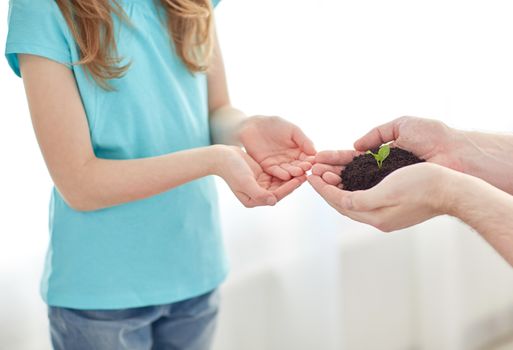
[436, 286]
[302, 276]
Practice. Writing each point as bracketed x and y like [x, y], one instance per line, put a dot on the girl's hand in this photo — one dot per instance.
[280, 148]
[250, 184]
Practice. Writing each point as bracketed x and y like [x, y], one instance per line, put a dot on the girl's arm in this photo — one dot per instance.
[279, 147]
[224, 118]
[89, 183]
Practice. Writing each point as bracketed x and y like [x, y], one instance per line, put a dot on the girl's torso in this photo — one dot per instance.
[154, 251]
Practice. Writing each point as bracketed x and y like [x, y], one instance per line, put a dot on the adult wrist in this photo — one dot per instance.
[458, 188]
[464, 150]
[456, 149]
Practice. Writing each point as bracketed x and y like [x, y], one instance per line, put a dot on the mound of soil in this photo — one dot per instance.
[363, 172]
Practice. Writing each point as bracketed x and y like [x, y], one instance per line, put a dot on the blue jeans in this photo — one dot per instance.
[184, 325]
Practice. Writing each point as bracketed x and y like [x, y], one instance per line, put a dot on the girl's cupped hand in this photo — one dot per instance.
[280, 148]
[249, 182]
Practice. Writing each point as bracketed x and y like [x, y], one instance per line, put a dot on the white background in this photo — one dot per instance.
[336, 68]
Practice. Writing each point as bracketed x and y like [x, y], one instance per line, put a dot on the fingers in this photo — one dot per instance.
[329, 173]
[293, 170]
[340, 200]
[249, 202]
[282, 190]
[332, 178]
[304, 164]
[337, 198]
[289, 187]
[306, 158]
[355, 205]
[335, 157]
[345, 201]
[279, 172]
[254, 195]
[320, 169]
[287, 171]
[303, 142]
[378, 136]
[298, 167]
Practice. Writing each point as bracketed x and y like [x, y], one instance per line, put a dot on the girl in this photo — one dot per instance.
[129, 104]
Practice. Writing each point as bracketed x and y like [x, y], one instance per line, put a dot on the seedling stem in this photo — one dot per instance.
[382, 154]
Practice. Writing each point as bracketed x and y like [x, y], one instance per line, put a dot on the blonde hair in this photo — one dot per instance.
[189, 22]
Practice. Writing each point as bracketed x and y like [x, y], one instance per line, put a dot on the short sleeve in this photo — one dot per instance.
[36, 27]
[215, 2]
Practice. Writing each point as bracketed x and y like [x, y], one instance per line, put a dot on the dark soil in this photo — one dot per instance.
[363, 172]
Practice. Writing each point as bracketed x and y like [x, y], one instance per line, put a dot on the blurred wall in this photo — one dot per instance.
[435, 286]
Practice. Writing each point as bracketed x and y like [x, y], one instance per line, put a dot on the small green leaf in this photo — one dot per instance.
[384, 151]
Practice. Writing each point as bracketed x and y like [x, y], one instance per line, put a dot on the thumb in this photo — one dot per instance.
[306, 145]
[378, 136]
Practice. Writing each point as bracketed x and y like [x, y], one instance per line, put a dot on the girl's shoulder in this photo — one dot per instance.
[48, 6]
[37, 27]
[35, 11]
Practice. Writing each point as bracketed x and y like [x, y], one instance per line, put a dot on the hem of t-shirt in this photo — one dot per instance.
[81, 302]
[14, 48]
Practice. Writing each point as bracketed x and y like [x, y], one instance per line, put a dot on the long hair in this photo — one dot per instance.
[189, 22]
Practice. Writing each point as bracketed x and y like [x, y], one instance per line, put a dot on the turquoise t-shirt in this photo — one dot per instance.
[153, 251]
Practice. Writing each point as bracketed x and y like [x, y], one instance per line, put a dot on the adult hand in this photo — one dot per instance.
[280, 148]
[406, 197]
[247, 180]
[428, 139]
[329, 165]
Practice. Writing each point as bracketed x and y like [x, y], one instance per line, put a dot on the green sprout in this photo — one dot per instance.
[382, 154]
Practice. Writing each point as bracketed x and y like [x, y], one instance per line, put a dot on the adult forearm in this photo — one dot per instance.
[487, 156]
[102, 183]
[487, 209]
[224, 122]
